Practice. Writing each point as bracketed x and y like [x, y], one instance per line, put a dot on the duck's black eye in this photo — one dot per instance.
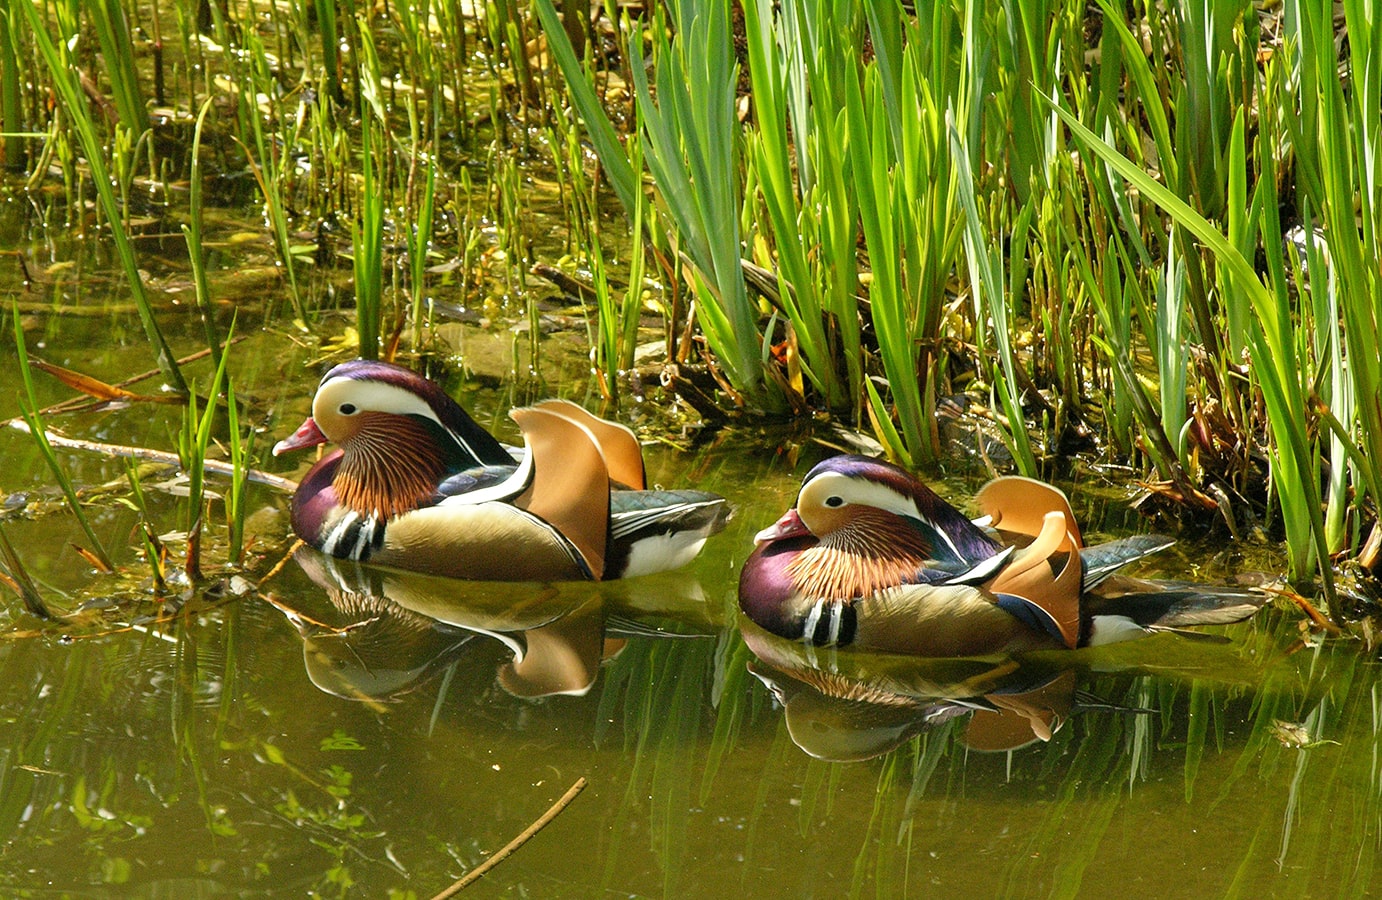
[347, 409]
[834, 502]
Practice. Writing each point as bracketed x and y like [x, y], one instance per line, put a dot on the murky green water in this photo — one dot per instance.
[311, 737]
[339, 733]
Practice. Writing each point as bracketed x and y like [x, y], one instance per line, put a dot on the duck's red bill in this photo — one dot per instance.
[307, 435]
[790, 525]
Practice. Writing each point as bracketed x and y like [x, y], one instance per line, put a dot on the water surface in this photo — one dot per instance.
[333, 732]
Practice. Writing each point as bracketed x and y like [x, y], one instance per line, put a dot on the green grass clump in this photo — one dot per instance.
[1077, 216]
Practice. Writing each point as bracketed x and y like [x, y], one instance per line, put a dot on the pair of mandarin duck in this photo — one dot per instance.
[869, 557]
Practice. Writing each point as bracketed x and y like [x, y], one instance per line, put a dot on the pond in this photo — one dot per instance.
[324, 730]
[335, 732]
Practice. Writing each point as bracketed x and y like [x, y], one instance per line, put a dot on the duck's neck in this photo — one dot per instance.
[872, 554]
[390, 468]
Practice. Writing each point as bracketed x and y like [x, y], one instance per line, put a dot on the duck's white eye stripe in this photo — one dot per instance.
[339, 393]
[834, 486]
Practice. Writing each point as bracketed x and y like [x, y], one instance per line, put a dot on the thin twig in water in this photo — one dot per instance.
[287, 485]
[278, 566]
[479, 871]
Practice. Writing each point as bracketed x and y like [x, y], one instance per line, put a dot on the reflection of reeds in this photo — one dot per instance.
[153, 546]
[16, 576]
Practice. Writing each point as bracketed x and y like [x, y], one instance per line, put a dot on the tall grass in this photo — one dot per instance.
[64, 77]
[868, 207]
[1149, 268]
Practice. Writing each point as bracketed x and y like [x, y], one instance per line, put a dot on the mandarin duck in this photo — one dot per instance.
[871, 557]
[416, 484]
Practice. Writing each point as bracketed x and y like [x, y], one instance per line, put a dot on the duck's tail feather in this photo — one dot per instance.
[1123, 607]
[653, 531]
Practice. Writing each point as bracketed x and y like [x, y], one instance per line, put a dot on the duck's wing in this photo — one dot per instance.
[1019, 505]
[1102, 560]
[632, 512]
[1046, 572]
[937, 621]
[653, 531]
[617, 443]
[569, 484]
[481, 478]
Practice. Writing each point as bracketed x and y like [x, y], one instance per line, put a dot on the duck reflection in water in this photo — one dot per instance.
[389, 631]
[846, 710]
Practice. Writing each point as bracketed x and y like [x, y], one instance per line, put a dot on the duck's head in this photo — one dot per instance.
[399, 433]
[859, 505]
[874, 526]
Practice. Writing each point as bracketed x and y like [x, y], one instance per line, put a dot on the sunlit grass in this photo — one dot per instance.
[864, 210]
[64, 78]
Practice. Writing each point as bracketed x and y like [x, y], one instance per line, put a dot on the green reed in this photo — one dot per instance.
[193, 440]
[803, 187]
[1335, 133]
[621, 176]
[991, 290]
[11, 93]
[65, 81]
[252, 71]
[1279, 370]
[192, 233]
[29, 410]
[690, 149]
[329, 34]
[241, 451]
[112, 29]
[367, 233]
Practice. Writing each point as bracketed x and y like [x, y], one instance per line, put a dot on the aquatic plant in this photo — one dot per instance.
[1080, 269]
[65, 81]
[865, 210]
